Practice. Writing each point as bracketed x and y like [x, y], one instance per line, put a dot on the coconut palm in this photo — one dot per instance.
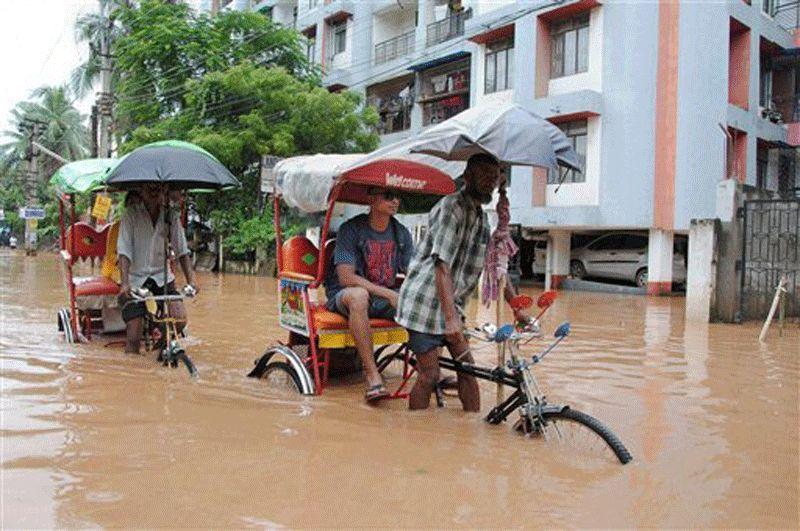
[62, 130]
[99, 30]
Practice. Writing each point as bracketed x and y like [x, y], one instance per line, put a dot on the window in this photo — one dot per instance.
[444, 91]
[577, 134]
[631, 242]
[762, 166]
[394, 101]
[768, 7]
[569, 50]
[339, 37]
[499, 66]
[765, 87]
[312, 4]
[311, 49]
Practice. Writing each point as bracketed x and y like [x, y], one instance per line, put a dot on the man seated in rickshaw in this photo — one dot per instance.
[140, 252]
[444, 273]
[371, 249]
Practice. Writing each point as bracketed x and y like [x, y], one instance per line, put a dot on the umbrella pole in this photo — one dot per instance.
[501, 353]
[167, 238]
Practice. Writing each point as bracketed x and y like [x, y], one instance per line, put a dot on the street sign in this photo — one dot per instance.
[31, 212]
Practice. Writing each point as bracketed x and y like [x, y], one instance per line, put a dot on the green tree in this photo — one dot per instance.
[247, 111]
[62, 130]
[98, 30]
[165, 46]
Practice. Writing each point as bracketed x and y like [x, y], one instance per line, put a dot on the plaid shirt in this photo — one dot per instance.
[458, 231]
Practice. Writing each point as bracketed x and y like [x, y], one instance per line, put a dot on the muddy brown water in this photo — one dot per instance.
[91, 437]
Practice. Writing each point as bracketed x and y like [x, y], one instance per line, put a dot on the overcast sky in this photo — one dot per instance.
[37, 47]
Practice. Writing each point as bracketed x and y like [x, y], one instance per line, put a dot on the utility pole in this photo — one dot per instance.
[105, 100]
[31, 184]
[94, 131]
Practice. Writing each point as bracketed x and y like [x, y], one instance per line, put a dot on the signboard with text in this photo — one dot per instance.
[31, 212]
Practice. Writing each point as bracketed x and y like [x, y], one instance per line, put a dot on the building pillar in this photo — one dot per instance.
[701, 278]
[659, 262]
[558, 255]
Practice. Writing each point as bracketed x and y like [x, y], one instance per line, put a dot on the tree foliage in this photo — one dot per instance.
[240, 87]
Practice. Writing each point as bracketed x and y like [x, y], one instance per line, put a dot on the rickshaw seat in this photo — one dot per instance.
[88, 241]
[99, 285]
[333, 330]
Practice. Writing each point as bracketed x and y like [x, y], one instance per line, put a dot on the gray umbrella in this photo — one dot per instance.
[176, 164]
[509, 132]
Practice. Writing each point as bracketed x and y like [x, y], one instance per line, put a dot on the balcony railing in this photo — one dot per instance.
[449, 28]
[787, 14]
[393, 48]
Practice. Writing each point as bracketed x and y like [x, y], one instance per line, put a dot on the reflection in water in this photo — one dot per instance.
[94, 438]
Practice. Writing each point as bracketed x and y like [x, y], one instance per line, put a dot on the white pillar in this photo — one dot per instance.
[659, 262]
[558, 254]
[702, 271]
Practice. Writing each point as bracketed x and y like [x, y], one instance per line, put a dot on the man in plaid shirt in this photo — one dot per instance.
[443, 273]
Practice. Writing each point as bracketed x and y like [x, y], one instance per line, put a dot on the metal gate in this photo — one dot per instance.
[771, 247]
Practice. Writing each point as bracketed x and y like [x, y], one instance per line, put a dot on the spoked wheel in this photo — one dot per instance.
[65, 325]
[390, 362]
[281, 376]
[579, 431]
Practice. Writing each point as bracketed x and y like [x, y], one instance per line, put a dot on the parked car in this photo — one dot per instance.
[622, 256]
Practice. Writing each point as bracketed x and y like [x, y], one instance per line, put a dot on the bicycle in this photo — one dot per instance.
[537, 416]
[158, 320]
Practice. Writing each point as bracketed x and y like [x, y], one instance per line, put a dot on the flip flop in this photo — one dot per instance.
[376, 392]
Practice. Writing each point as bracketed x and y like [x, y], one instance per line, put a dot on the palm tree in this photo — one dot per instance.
[61, 130]
[99, 30]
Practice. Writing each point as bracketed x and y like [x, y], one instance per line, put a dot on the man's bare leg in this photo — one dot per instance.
[178, 311]
[468, 391]
[427, 378]
[357, 302]
[133, 335]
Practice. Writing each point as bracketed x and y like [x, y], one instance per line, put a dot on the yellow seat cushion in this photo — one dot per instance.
[333, 331]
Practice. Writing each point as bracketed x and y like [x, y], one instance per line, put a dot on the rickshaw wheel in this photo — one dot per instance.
[280, 375]
[65, 325]
[393, 360]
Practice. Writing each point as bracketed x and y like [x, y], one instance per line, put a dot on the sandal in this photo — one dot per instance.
[376, 392]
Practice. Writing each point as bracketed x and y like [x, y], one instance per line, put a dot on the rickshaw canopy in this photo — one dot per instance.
[81, 176]
[310, 182]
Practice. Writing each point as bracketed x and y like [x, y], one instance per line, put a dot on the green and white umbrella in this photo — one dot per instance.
[81, 176]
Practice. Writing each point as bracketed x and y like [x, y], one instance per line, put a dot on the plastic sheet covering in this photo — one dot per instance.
[304, 182]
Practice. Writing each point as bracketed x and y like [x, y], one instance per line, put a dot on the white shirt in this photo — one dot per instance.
[143, 243]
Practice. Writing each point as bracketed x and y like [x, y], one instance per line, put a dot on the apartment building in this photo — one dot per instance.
[662, 101]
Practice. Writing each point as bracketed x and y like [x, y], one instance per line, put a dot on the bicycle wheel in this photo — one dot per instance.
[578, 430]
[281, 376]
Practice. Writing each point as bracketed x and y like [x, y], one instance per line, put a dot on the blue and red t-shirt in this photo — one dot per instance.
[376, 256]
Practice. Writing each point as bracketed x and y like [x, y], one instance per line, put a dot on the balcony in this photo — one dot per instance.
[448, 28]
[395, 47]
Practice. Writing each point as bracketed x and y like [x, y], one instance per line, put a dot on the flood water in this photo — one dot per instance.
[92, 437]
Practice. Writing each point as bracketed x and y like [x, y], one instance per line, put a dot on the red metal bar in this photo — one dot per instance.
[61, 230]
[324, 236]
[312, 340]
[276, 214]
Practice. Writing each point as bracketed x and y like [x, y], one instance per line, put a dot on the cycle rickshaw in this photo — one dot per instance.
[316, 336]
[93, 305]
